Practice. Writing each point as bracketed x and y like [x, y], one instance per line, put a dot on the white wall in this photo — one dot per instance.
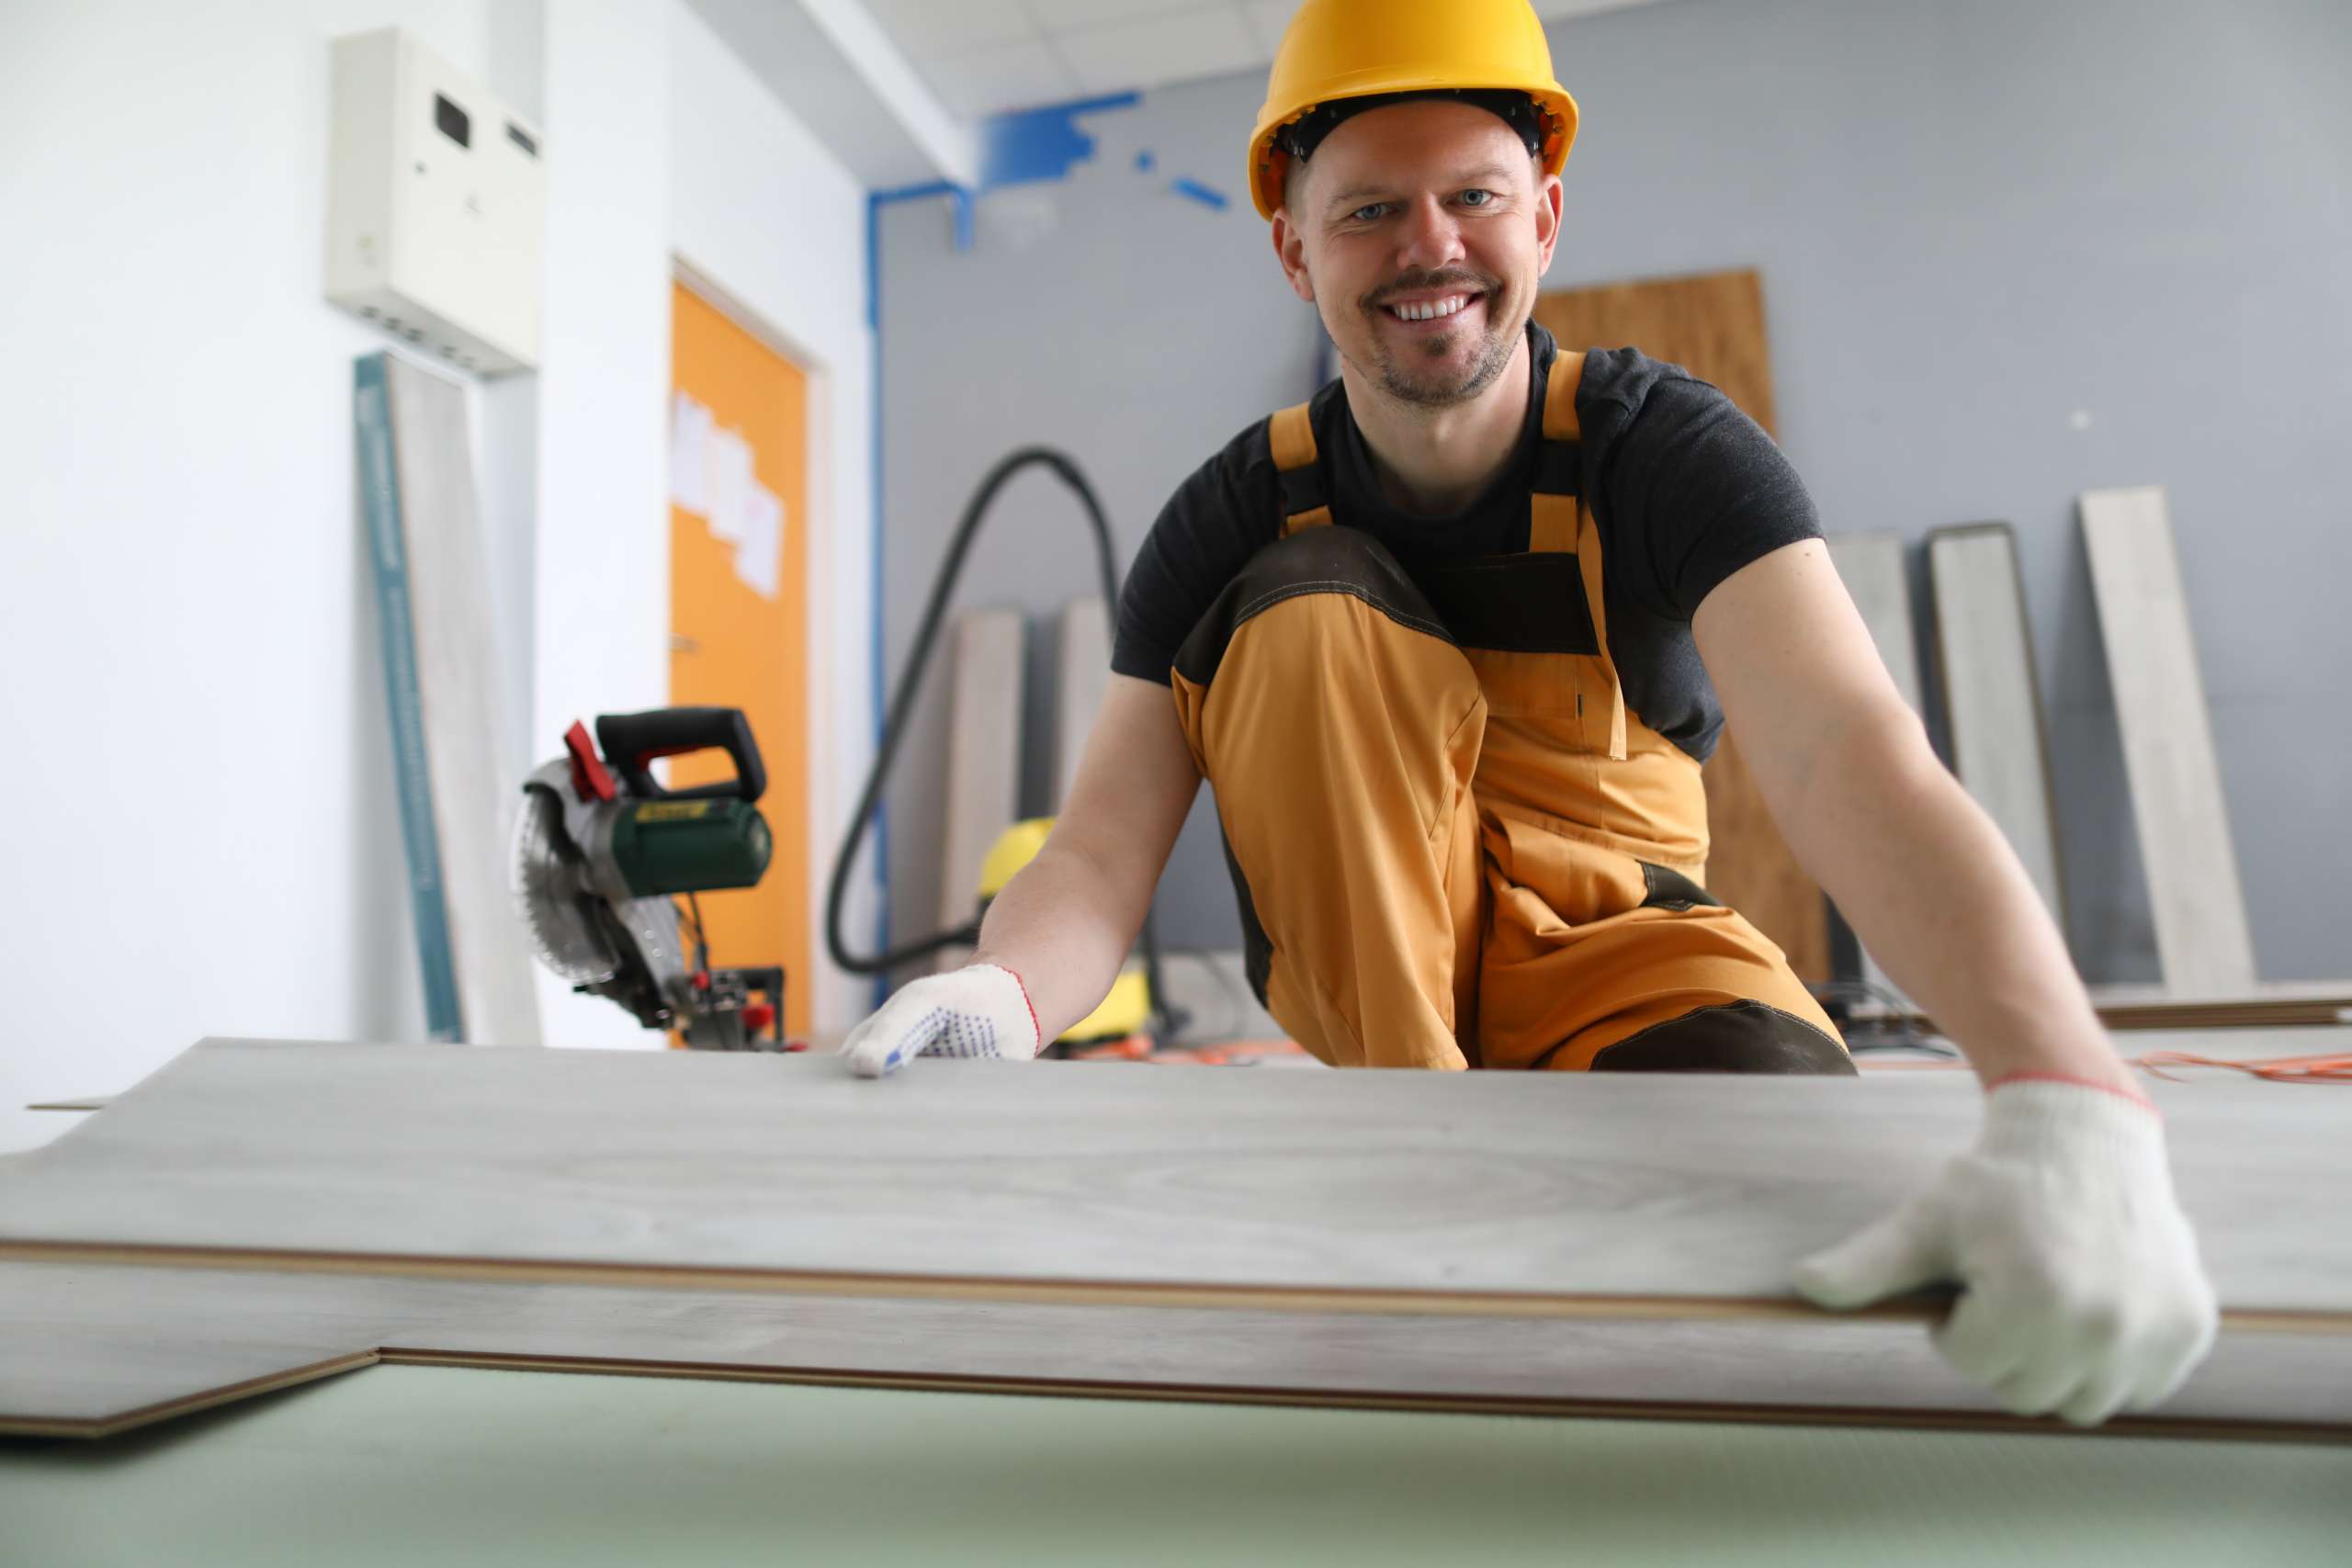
[197, 776]
[601, 610]
[744, 195]
[760, 209]
[202, 837]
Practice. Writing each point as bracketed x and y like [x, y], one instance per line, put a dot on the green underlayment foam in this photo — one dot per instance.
[415, 1464]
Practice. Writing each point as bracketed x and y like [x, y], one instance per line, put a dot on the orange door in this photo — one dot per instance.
[738, 602]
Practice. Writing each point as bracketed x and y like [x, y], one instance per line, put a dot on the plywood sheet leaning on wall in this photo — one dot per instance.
[457, 792]
[1992, 701]
[2193, 890]
[983, 792]
[1713, 326]
[1871, 566]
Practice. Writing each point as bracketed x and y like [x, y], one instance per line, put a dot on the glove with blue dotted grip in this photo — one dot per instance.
[980, 1011]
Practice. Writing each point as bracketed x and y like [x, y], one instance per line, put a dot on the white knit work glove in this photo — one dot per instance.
[980, 1011]
[2082, 1289]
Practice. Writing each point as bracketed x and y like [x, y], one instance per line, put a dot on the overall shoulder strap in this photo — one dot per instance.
[1553, 522]
[1291, 436]
[1560, 396]
[1560, 523]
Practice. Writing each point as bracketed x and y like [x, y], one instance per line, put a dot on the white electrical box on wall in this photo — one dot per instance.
[436, 198]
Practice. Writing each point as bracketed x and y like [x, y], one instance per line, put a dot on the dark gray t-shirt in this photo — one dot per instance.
[1685, 490]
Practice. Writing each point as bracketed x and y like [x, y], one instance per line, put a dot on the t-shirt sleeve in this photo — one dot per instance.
[1692, 490]
[1217, 519]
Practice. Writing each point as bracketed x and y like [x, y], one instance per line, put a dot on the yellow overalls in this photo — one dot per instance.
[1452, 843]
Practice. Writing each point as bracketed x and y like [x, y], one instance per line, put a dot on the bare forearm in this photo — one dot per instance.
[1944, 906]
[1062, 927]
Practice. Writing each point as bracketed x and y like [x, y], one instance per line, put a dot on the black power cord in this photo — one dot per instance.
[894, 727]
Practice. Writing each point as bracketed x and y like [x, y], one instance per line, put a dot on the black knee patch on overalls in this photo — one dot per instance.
[1314, 560]
[1736, 1037]
[1256, 947]
[1669, 889]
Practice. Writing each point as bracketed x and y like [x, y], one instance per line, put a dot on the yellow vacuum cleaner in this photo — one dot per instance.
[1126, 1012]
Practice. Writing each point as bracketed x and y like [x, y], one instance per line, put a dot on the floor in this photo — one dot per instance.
[411, 1464]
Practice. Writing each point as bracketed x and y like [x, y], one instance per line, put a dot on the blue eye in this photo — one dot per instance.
[1485, 198]
[1365, 214]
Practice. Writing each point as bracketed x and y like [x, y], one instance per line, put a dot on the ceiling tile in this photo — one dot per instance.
[925, 30]
[1005, 76]
[1268, 20]
[1151, 50]
[1061, 16]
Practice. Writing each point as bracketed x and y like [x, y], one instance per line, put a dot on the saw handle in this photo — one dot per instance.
[632, 740]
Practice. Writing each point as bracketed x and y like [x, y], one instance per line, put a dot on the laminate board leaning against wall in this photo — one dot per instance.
[2203, 939]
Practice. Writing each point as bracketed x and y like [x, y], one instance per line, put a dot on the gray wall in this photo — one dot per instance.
[2012, 250]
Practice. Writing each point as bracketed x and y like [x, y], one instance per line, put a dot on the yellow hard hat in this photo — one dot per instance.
[1355, 49]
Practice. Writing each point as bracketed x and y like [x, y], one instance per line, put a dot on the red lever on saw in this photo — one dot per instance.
[590, 777]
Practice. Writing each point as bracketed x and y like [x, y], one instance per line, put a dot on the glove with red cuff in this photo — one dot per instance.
[2082, 1291]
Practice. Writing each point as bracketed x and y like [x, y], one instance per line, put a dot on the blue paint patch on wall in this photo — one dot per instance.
[1042, 143]
[1207, 196]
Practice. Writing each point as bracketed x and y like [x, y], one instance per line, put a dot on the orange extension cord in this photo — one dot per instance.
[2276, 1069]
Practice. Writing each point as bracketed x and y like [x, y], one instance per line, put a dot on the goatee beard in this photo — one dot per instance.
[1425, 391]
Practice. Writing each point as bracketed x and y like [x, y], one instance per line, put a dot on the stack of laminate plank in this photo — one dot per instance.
[258, 1213]
[1997, 736]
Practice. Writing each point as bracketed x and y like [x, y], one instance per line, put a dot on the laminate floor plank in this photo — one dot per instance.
[1992, 699]
[2202, 938]
[1499, 1194]
[89, 1349]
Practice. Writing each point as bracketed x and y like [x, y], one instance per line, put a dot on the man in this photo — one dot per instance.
[1451, 642]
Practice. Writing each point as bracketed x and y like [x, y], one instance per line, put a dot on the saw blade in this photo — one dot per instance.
[550, 892]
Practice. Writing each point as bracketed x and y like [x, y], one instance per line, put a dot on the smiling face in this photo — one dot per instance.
[1420, 232]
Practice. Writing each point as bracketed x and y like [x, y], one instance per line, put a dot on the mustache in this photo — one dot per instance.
[1461, 278]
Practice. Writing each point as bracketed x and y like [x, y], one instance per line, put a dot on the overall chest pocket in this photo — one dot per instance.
[1522, 622]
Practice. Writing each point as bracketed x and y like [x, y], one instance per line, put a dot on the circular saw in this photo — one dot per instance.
[602, 852]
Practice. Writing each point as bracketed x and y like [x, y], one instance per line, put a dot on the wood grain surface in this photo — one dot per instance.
[86, 1351]
[1712, 325]
[2265, 1010]
[2203, 939]
[1992, 699]
[89, 1349]
[1470, 1193]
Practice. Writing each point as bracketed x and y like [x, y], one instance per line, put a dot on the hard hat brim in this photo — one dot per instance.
[1269, 162]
